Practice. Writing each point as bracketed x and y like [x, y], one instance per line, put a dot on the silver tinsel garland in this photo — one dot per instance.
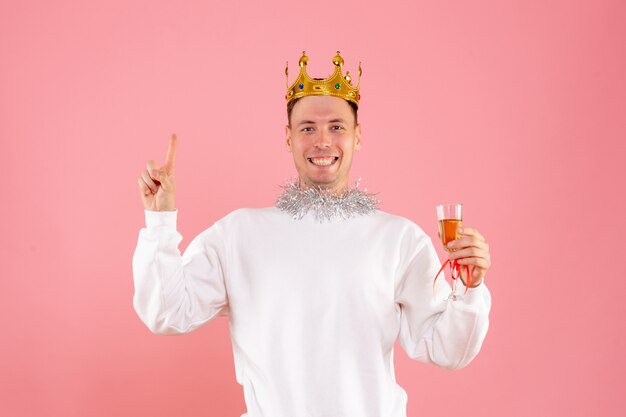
[325, 205]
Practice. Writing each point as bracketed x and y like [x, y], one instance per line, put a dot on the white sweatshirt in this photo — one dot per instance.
[314, 308]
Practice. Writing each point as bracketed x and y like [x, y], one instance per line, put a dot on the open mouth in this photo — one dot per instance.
[323, 160]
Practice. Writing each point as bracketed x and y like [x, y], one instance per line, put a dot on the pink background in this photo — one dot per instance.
[516, 108]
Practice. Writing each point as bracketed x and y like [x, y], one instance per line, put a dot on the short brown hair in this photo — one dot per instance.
[293, 102]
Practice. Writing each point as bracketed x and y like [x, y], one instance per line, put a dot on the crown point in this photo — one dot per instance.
[348, 78]
[338, 60]
[303, 60]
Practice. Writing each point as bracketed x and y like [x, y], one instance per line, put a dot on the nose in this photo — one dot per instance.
[323, 139]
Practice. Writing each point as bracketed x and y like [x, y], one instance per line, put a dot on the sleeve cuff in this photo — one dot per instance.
[156, 219]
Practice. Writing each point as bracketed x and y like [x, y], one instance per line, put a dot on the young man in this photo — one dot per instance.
[318, 288]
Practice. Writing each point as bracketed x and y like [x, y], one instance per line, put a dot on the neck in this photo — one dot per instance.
[335, 189]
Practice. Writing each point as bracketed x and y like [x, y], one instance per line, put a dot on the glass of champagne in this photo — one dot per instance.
[450, 217]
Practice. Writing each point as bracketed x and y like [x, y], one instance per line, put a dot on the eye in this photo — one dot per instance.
[337, 127]
[307, 129]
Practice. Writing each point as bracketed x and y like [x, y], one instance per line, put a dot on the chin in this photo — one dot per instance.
[326, 183]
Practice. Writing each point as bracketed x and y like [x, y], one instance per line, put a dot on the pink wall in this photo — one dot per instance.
[515, 108]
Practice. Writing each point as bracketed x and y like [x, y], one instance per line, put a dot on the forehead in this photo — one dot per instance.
[321, 108]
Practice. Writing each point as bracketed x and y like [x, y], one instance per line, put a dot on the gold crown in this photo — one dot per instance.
[336, 85]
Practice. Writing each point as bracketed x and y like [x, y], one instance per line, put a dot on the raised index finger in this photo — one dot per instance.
[170, 157]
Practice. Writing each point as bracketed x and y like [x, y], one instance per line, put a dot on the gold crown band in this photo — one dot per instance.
[336, 85]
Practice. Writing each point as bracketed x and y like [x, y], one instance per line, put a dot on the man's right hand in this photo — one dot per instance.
[157, 186]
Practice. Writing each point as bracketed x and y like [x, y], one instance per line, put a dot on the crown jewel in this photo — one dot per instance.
[337, 84]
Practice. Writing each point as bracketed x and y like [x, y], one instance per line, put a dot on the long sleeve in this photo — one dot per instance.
[432, 329]
[177, 293]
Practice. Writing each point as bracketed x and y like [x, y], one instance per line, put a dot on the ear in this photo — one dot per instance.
[288, 137]
[357, 137]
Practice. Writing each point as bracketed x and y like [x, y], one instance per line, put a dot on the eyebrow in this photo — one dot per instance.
[304, 122]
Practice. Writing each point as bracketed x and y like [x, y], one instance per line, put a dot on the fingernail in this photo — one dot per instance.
[451, 244]
[460, 230]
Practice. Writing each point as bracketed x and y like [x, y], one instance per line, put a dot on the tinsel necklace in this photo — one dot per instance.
[325, 205]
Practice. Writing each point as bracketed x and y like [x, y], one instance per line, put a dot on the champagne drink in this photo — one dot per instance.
[450, 220]
[448, 231]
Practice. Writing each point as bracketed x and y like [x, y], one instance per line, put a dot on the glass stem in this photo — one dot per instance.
[454, 280]
[453, 284]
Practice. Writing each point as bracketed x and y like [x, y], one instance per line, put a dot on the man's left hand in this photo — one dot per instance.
[472, 250]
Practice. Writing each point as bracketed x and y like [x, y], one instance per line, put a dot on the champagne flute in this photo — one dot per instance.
[450, 217]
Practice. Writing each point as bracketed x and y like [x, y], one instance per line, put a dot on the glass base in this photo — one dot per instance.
[453, 297]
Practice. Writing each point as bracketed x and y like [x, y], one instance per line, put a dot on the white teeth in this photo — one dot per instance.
[323, 161]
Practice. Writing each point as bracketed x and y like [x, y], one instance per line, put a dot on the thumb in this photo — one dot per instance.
[153, 170]
[159, 174]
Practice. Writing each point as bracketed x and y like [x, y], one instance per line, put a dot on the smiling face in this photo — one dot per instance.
[322, 136]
